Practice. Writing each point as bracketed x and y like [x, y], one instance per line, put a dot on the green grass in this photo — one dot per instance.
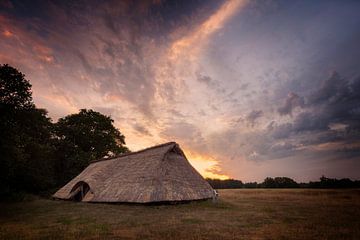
[238, 214]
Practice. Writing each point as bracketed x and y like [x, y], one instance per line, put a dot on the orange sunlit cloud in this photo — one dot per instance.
[7, 33]
[189, 45]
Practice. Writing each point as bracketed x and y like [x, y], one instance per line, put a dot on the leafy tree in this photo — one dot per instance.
[279, 182]
[269, 183]
[83, 137]
[25, 149]
[15, 90]
[33, 138]
[227, 183]
[37, 154]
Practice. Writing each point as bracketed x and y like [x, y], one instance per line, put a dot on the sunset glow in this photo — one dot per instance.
[249, 89]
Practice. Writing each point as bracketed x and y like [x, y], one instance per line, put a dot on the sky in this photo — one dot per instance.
[249, 89]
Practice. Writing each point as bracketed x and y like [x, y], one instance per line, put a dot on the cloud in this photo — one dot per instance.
[205, 79]
[253, 116]
[330, 115]
[310, 121]
[332, 91]
[168, 71]
[291, 102]
[142, 129]
[176, 113]
[121, 58]
[244, 86]
[281, 131]
[184, 131]
[337, 102]
[324, 128]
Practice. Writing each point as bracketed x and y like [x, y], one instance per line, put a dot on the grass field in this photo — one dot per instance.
[238, 214]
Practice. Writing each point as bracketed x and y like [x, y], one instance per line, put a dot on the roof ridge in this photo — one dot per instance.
[131, 153]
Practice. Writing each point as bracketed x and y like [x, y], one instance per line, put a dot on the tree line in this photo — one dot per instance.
[285, 182]
[38, 155]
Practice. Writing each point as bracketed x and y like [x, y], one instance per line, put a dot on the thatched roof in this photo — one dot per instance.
[156, 174]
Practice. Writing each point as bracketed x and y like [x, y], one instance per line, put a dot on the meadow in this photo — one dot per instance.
[237, 214]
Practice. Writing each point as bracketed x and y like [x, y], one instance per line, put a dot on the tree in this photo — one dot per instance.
[26, 153]
[279, 182]
[36, 154]
[15, 90]
[251, 185]
[334, 183]
[269, 183]
[227, 183]
[83, 137]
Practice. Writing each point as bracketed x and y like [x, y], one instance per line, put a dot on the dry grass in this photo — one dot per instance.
[239, 214]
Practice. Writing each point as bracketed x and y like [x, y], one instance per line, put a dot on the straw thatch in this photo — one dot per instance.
[156, 174]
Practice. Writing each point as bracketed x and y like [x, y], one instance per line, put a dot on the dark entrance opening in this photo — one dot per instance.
[79, 191]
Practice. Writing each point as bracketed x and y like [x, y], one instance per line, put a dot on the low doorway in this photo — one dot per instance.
[79, 191]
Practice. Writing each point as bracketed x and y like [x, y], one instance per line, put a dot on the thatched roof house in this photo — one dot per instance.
[156, 174]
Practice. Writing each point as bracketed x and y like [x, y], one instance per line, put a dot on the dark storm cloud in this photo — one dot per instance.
[310, 121]
[333, 91]
[336, 101]
[331, 115]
